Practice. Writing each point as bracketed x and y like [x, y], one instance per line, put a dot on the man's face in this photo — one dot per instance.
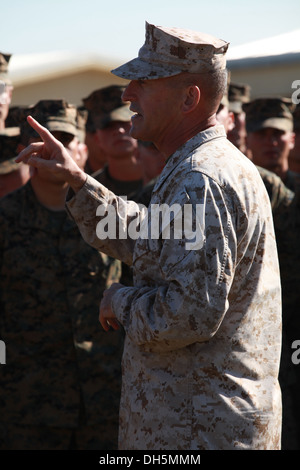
[156, 106]
[270, 148]
[115, 141]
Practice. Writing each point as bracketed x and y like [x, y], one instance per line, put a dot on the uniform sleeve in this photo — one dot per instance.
[191, 301]
[104, 219]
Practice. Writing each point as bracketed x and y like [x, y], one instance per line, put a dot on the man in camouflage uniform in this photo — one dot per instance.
[122, 173]
[111, 118]
[270, 137]
[287, 228]
[202, 322]
[60, 386]
[12, 175]
[283, 205]
[238, 93]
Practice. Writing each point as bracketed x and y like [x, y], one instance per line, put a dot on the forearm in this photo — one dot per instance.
[95, 208]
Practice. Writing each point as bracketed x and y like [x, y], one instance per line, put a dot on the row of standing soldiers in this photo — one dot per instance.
[60, 387]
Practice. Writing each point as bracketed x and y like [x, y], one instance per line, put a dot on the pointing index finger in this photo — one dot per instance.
[42, 131]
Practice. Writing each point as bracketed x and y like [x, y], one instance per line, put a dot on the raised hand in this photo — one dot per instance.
[50, 154]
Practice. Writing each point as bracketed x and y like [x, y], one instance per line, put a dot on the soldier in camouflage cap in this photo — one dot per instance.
[205, 306]
[5, 89]
[238, 94]
[12, 175]
[122, 172]
[111, 116]
[61, 386]
[104, 107]
[270, 137]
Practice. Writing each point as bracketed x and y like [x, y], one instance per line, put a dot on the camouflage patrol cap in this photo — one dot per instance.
[170, 51]
[4, 61]
[55, 115]
[269, 112]
[238, 94]
[296, 118]
[105, 105]
[8, 150]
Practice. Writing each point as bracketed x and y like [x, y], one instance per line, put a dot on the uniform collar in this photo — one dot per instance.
[186, 149]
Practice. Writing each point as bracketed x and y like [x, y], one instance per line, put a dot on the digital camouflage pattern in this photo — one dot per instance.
[203, 326]
[170, 51]
[55, 115]
[62, 369]
[269, 112]
[128, 189]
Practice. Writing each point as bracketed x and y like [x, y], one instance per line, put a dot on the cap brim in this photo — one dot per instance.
[137, 69]
[58, 126]
[276, 123]
[235, 107]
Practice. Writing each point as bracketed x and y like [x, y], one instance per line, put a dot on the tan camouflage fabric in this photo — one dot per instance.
[127, 189]
[203, 327]
[269, 112]
[62, 370]
[170, 51]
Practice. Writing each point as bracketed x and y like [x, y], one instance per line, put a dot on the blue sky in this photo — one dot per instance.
[116, 29]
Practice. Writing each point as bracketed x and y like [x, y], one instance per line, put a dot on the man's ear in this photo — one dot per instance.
[192, 98]
[231, 122]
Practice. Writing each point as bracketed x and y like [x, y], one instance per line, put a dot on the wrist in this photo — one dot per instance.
[77, 180]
